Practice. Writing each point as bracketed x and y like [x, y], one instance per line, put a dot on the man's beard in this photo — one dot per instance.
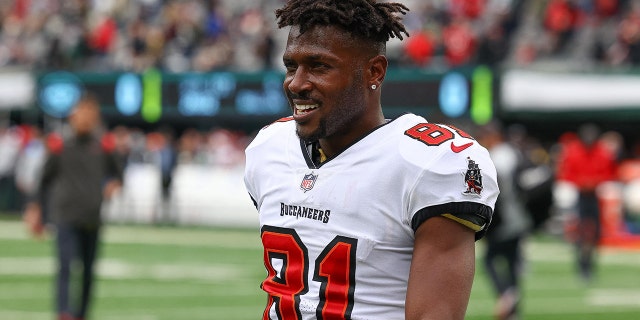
[316, 135]
[348, 111]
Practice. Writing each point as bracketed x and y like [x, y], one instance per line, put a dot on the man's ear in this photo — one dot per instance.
[377, 70]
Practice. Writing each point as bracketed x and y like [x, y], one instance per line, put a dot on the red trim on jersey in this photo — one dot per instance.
[285, 119]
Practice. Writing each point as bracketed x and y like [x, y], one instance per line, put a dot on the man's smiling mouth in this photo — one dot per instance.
[304, 108]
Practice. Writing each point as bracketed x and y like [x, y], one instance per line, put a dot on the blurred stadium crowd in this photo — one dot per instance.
[241, 35]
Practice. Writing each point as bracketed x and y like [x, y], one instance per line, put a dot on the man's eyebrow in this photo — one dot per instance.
[313, 57]
[321, 57]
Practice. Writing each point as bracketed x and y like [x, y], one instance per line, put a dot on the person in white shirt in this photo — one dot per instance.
[362, 217]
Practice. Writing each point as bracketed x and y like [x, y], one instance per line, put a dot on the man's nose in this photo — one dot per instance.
[299, 81]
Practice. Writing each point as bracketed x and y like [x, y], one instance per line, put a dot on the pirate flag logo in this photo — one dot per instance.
[308, 181]
[472, 179]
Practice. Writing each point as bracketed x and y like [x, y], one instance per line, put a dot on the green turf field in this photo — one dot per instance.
[158, 273]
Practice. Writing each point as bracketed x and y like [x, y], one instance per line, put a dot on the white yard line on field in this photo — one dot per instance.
[33, 315]
[26, 266]
[238, 312]
[564, 252]
[24, 315]
[614, 297]
[116, 269]
[13, 230]
[200, 237]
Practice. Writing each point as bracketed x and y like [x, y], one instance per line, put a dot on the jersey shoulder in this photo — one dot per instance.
[455, 176]
[275, 130]
[424, 143]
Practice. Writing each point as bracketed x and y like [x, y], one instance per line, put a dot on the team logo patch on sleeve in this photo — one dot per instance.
[308, 181]
[472, 179]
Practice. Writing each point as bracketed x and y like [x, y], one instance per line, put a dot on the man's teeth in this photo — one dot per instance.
[305, 107]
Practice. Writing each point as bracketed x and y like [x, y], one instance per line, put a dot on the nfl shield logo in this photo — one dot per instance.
[308, 181]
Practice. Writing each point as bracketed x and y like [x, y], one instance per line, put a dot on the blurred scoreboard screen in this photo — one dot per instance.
[153, 96]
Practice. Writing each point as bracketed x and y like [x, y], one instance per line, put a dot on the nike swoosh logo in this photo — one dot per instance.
[458, 149]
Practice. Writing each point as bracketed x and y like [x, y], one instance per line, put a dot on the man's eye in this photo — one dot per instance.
[320, 66]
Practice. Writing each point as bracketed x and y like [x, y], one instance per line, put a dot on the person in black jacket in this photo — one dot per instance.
[78, 174]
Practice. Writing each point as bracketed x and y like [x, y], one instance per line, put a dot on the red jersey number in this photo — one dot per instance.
[433, 134]
[287, 262]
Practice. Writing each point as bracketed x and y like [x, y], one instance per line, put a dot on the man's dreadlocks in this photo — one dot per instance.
[364, 18]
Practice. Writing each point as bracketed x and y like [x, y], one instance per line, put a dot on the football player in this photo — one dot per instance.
[362, 217]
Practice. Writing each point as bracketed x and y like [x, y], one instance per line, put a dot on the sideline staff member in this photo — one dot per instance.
[77, 175]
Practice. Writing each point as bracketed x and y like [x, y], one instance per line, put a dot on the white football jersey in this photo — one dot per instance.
[338, 238]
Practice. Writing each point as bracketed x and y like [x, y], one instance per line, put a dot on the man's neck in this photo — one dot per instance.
[331, 146]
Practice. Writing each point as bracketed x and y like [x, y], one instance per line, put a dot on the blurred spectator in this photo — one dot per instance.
[190, 147]
[605, 9]
[160, 153]
[493, 47]
[535, 175]
[122, 142]
[629, 36]
[511, 223]
[614, 141]
[586, 162]
[629, 175]
[467, 8]
[168, 159]
[459, 42]
[560, 20]
[10, 144]
[224, 149]
[77, 175]
[266, 48]
[30, 162]
[101, 34]
[420, 48]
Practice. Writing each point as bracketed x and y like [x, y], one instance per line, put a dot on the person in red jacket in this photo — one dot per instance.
[586, 163]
